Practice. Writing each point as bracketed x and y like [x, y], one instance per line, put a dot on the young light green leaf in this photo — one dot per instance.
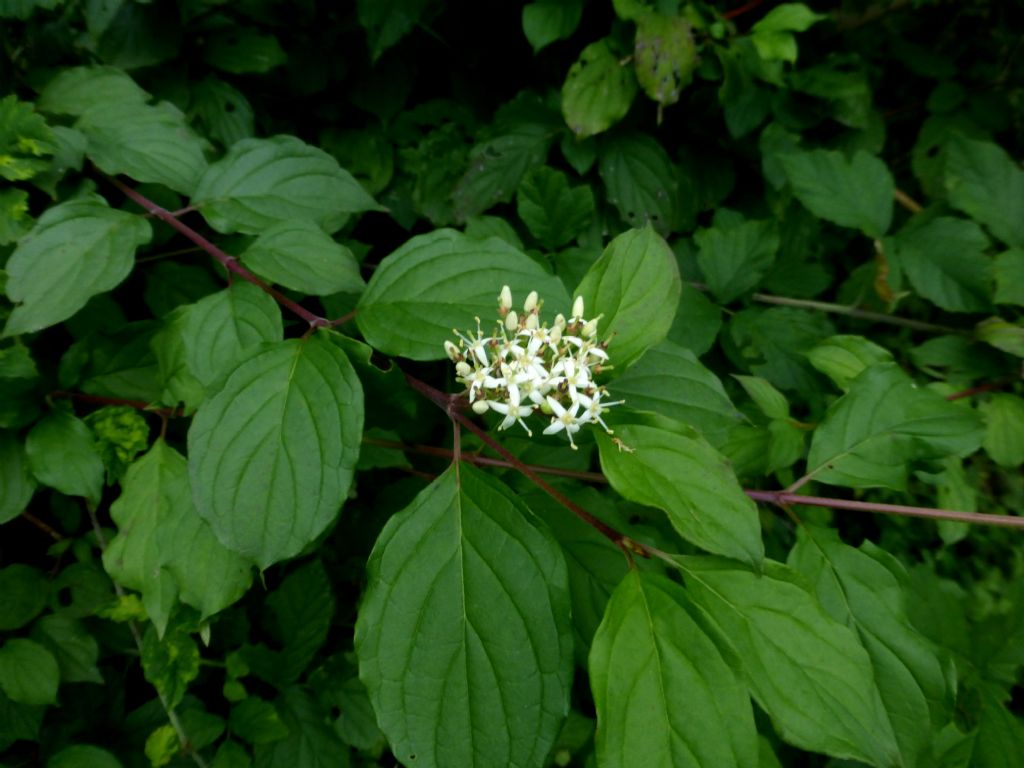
[83, 756]
[844, 357]
[161, 534]
[868, 435]
[1004, 429]
[855, 192]
[147, 143]
[28, 672]
[463, 636]
[597, 92]
[734, 259]
[76, 250]
[670, 380]
[945, 262]
[1001, 334]
[768, 399]
[301, 256]
[1009, 274]
[773, 35]
[260, 182]
[25, 590]
[806, 670]
[641, 182]
[16, 482]
[172, 662]
[271, 455]
[984, 182]
[545, 21]
[440, 281]
[554, 212]
[917, 681]
[635, 287]
[678, 472]
[663, 693]
[75, 650]
[664, 56]
[78, 90]
[62, 454]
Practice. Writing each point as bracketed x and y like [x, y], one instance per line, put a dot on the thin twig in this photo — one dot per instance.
[43, 526]
[742, 9]
[907, 201]
[855, 312]
[140, 405]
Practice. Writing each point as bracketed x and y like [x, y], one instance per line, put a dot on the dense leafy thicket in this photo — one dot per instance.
[251, 514]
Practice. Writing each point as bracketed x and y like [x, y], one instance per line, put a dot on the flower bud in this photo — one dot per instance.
[531, 302]
[560, 321]
[590, 329]
[555, 334]
[512, 321]
[505, 299]
[452, 351]
[480, 407]
[462, 369]
[577, 307]
[532, 323]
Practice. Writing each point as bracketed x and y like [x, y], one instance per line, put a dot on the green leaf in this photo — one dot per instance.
[301, 256]
[388, 21]
[147, 143]
[28, 672]
[463, 635]
[734, 259]
[260, 182]
[806, 670]
[161, 535]
[640, 181]
[162, 746]
[440, 281]
[83, 756]
[768, 399]
[855, 192]
[1004, 429]
[256, 721]
[75, 650]
[545, 21]
[271, 455]
[15, 220]
[945, 261]
[62, 454]
[224, 111]
[984, 182]
[302, 608]
[664, 56]
[171, 663]
[681, 474]
[862, 589]
[663, 693]
[788, 17]
[311, 743]
[773, 343]
[1002, 334]
[78, 90]
[231, 754]
[18, 721]
[76, 250]
[843, 358]
[670, 380]
[868, 435]
[242, 50]
[25, 140]
[16, 482]
[1009, 274]
[635, 286]
[597, 92]
[554, 212]
[25, 590]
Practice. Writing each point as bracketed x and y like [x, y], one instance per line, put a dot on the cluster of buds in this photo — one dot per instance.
[524, 366]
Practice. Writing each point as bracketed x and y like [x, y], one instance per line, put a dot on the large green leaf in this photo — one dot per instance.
[440, 281]
[63, 455]
[78, 90]
[984, 182]
[946, 263]
[855, 192]
[260, 182]
[868, 435]
[76, 250]
[670, 380]
[163, 548]
[677, 471]
[271, 455]
[147, 143]
[641, 182]
[301, 256]
[463, 635]
[734, 259]
[862, 589]
[635, 286]
[16, 482]
[597, 92]
[663, 693]
[28, 672]
[806, 670]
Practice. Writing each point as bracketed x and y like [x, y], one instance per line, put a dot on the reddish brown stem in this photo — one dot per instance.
[43, 526]
[972, 391]
[141, 405]
[742, 9]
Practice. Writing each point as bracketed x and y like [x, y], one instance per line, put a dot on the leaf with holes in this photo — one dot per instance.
[598, 91]
[641, 182]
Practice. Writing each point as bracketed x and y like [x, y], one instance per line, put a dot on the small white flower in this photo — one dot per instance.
[513, 410]
[564, 418]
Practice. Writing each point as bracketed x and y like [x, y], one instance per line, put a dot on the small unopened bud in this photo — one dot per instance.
[532, 323]
[555, 334]
[452, 351]
[560, 321]
[505, 299]
[531, 302]
[577, 307]
[512, 321]
[462, 369]
[590, 329]
[480, 406]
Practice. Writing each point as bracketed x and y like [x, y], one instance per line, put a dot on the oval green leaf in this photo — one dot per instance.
[301, 256]
[598, 91]
[16, 482]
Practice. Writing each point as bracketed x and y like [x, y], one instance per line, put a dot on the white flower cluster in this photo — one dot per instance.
[524, 366]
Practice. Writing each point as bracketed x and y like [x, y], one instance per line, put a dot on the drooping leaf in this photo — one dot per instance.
[76, 250]
[554, 212]
[663, 693]
[641, 182]
[28, 672]
[301, 256]
[62, 454]
[868, 435]
[16, 482]
[855, 192]
[773, 35]
[271, 455]
[677, 471]
[635, 285]
[440, 281]
[598, 91]
[463, 636]
[734, 259]
[844, 357]
[388, 21]
[170, 663]
[545, 21]
[806, 670]
[224, 111]
[665, 56]
[946, 263]
[984, 182]
[260, 182]
[163, 542]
